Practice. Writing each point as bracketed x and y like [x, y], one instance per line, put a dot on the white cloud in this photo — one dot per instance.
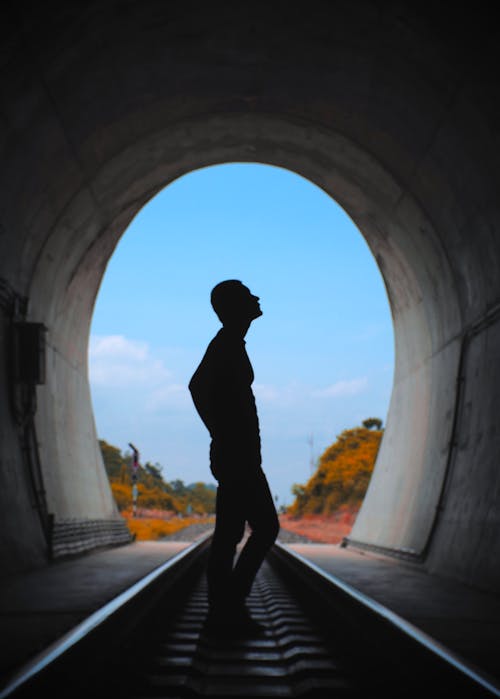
[117, 346]
[265, 392]
[353, 387]
[297, 394]
[115, 361]
[287, 396]
[170, 395]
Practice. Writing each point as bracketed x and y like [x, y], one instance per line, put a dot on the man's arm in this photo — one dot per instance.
[220, 389]
[201, 388]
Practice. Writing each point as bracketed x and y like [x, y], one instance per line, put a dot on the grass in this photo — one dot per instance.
[154, 528]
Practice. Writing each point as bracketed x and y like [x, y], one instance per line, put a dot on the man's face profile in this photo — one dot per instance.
[251, 303]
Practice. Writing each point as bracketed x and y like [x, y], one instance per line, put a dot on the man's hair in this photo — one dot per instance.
[226, 297]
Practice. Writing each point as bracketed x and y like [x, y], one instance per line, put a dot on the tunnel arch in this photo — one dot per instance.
[386, 123]
[368, 194]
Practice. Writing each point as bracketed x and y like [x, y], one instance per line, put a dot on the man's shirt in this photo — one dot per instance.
[221, 388]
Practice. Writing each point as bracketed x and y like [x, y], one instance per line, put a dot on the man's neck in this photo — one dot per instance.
[238, 328]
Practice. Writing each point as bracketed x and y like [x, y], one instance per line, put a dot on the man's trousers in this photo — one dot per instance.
[240, 499]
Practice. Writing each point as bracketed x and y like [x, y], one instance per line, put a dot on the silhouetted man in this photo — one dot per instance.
[221, 388]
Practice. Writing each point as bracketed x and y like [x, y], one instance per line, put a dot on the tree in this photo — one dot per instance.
[178, 487]
[343, 473]
[154, 491]
[201, 497]
[154, 471]
[372, 422]
[113, 459]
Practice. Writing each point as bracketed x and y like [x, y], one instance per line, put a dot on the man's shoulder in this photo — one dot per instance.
[223, 351]
[214, 343]
[224, 339]
[218, 345]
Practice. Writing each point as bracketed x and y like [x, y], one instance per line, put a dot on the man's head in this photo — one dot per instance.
[233, 302]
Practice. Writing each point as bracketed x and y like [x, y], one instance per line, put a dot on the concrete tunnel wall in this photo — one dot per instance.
[103, 105]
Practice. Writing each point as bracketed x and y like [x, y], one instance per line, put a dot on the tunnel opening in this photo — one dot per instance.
[327, 363]
[405, 486]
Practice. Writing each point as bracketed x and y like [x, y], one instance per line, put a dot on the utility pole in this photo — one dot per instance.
[135, 467]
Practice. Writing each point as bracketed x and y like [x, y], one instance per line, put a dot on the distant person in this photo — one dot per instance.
[221, 388]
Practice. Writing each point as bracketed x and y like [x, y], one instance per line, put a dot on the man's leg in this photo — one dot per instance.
[229, 530]
[260, 513]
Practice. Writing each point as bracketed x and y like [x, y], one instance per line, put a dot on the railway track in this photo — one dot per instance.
[322, 639]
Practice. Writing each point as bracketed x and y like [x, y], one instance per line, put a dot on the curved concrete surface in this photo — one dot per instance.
[384, 107]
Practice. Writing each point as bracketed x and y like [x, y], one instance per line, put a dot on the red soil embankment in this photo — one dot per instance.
[325, 529]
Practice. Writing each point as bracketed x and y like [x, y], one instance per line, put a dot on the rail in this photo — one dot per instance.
[322, 638]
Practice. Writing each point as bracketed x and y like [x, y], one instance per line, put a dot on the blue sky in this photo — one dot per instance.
[322, 352]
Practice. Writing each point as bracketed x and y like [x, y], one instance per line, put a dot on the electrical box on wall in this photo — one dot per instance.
[29, 352]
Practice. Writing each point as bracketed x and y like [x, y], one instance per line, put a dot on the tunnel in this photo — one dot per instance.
[391, 109]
